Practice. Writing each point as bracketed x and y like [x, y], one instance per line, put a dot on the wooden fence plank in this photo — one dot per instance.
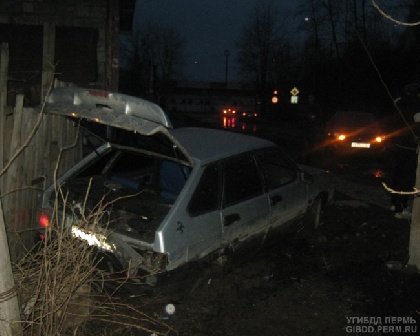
[4, 64]
[12, 183]
[30, 169]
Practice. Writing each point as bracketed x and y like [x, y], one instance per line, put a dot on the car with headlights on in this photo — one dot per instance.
[354, 132]
[249, 115]
[168, 196]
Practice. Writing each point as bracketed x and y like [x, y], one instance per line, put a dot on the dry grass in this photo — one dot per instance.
[62, 291]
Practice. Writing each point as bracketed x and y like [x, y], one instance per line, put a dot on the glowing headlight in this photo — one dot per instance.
[92, 238]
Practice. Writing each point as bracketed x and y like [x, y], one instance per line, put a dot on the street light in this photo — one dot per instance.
[227, 53]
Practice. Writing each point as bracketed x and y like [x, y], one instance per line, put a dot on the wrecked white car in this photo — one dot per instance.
[170, 196]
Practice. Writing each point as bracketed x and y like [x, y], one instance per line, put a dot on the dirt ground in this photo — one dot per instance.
[339, 282]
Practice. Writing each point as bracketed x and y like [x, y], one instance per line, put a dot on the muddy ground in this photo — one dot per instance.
[338, 282]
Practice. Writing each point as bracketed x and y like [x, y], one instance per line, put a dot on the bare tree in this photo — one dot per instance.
[327, 24]
[260, 45]
[154, 55]
[338, 35]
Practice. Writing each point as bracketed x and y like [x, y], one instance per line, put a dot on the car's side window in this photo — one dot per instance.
[206, 196]
[242, 180]
[277, 168]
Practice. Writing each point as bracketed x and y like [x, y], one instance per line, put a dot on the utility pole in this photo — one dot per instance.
[227, 53]
[9, 307]
[414, 245]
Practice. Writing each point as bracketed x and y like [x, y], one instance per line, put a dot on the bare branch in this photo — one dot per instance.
[392, 191]
[390, 18]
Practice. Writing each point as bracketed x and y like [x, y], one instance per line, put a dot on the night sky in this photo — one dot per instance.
[209, 28]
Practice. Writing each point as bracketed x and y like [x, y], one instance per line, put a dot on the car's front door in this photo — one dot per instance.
[245, 205]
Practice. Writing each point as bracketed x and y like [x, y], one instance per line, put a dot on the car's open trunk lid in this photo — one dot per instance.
[120, 112]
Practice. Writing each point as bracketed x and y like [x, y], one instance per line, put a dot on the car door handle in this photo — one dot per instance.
[275, 199]
[230, 219]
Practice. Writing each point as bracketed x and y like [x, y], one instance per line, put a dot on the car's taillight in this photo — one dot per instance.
[98, 93]
[44, 218]
[341, 137]
[379, 139]
[226, 111]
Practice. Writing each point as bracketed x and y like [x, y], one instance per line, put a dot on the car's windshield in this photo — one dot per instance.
[354, 119]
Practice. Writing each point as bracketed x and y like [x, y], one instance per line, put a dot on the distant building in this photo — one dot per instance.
[208, 97]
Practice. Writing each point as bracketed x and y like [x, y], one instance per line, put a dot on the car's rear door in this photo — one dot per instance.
[203, 228]
[288, 194]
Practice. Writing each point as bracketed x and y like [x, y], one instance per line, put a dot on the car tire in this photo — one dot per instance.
[313, 219]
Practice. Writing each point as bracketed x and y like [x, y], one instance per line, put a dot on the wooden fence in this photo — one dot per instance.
[30, 145]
